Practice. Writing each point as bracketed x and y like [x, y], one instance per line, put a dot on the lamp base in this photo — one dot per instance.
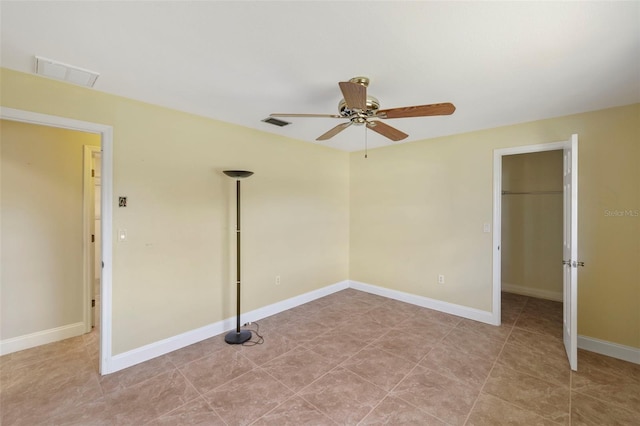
[236, 338]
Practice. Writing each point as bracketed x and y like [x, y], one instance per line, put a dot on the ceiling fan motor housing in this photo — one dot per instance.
[372, 107]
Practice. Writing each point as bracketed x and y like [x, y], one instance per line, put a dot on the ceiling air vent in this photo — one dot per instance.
[69, 73]
[276, 122]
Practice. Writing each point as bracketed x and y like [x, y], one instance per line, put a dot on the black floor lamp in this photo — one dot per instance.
[237, 336]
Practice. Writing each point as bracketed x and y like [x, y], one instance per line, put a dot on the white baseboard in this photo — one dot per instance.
[533, 292]
[43, 337]
[425, 302]
[156, 349]
[614, 350]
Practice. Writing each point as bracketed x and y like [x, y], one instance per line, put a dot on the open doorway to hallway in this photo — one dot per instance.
[47, 293]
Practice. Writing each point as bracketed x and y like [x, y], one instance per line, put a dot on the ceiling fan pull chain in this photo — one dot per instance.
[365, 143]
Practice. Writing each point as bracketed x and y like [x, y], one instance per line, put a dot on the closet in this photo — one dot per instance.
[532, 224]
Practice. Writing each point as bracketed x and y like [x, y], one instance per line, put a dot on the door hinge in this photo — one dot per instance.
[93, 173]
[93, 238]
[93, 303]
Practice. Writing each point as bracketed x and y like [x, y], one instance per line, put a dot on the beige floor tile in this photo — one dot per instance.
[299, 367]
[440, 396]
[546, 399]
[395, 411]
[458, 365]
[423, 327]
[150, 399]
[512, 299]
[591, 361]
[43, 389]
[543, 305]
[331, 317]
[196, 412]
[299, 331]
[198, 350]
[539, 322]
[510, 314]
[274, 345]
[136, 374]
[542, 365]
[385, 316]
[586, 410]
[375, 338]
[550, 346]
[373, 365]
[492, 411]
[343, 396]
[248, 397]
[613, 381]
[217, 369]
[294, 412]
[486, 347]
[501, 332]
[441, 317]
[338, 345]
[353, 306]
[411, 344]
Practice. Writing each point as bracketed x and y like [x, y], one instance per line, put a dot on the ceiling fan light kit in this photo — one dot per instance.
[360, 108]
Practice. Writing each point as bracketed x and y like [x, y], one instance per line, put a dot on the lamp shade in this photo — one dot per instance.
[238, 174]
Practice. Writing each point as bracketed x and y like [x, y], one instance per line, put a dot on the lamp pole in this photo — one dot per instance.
[238, 336]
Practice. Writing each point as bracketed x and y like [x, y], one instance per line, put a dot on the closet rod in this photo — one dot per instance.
[529, 192]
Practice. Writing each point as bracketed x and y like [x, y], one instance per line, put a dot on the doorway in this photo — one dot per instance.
[532, 224]
[106, 142]
[569, 234]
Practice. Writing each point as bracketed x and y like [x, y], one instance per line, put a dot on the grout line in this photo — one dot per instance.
[504, 344]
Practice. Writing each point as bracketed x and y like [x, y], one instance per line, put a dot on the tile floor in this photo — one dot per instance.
[350, 358]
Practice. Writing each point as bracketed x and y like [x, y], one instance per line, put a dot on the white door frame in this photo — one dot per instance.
[497, 213]
[88, 223]
[106, 142]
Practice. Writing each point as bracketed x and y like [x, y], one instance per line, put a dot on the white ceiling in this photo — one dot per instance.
[500, 63]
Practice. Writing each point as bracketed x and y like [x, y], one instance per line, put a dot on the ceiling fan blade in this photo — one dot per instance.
[386, 130]
[355, 94]
[305, 115]
[331, 133]
[417, 111]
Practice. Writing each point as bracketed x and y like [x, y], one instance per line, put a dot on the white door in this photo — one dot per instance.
[570, 252]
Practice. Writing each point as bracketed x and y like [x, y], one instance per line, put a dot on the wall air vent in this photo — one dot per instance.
[276, 122]
[59, 71]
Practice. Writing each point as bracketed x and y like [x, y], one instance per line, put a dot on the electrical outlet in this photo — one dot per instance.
[440, 279]
[277, 279]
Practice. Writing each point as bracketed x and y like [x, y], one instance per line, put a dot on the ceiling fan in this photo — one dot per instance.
[361, 109]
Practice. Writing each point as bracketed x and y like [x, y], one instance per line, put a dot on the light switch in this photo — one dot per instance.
[122, 234]
[486, 228]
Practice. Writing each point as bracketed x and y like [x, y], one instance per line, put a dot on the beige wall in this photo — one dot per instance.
[317, 216]
[532, 224]
[41, 228]
[417, 210]
[174, 273]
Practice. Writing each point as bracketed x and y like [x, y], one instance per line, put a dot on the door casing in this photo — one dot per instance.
[497, 216]
[106, 142]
